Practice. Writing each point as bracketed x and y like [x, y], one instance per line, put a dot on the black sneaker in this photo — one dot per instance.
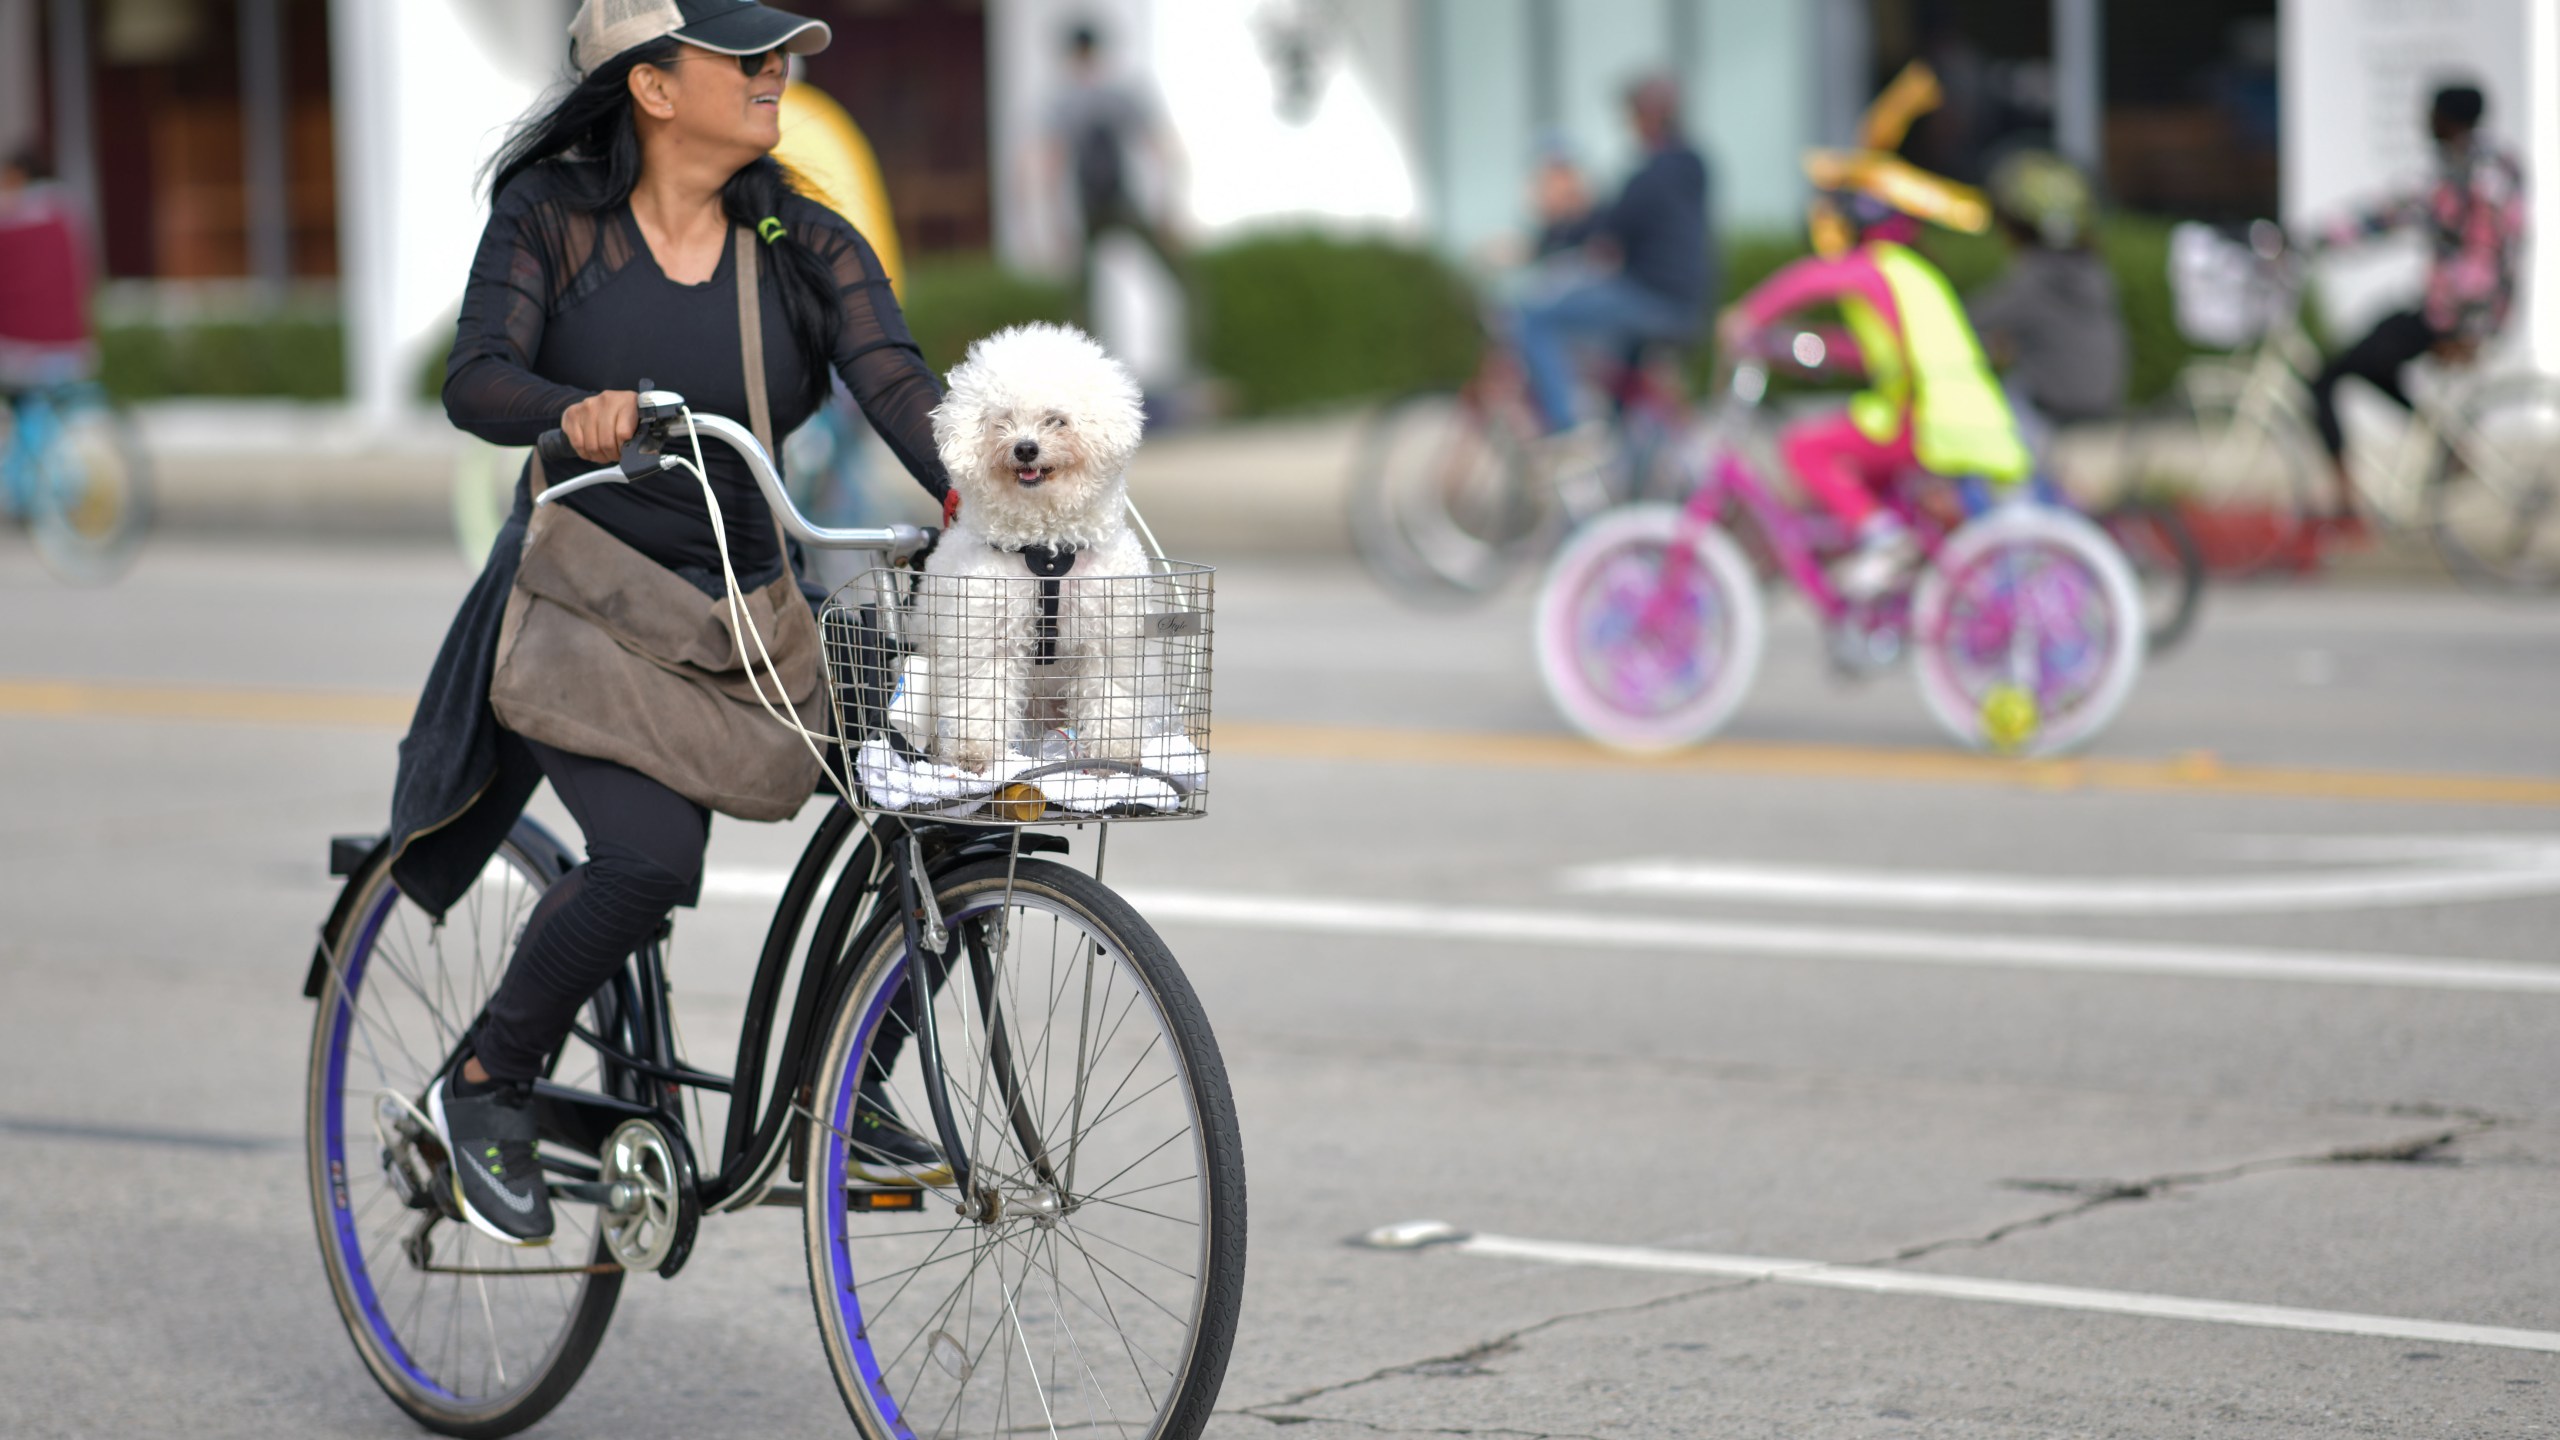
[881, 1150]
[489, 1137]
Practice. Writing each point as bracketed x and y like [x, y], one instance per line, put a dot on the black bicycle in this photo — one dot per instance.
[1074, 1262]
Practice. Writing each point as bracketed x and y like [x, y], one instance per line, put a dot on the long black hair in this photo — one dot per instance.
[593, 123]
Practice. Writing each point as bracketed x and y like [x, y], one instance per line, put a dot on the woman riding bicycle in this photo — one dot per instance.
[1932, 400]
[609, 256]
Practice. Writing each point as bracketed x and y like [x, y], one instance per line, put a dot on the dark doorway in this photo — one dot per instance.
[913, 74]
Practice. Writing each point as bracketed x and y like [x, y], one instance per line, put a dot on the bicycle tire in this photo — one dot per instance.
[891, 1370]
[1600, 664]
[93, 497]
[1966, 633]
[349, 1183]
[1442, 507]
[2168, 566]
[2493, 503]
[2254, 480]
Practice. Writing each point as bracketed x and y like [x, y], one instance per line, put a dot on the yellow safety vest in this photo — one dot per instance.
[1961, 424]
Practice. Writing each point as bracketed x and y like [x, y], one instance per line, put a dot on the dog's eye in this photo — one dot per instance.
[1056, 421]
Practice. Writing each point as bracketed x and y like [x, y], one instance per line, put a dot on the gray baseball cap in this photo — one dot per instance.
[603, 29]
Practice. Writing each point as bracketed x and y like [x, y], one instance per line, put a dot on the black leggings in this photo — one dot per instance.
[2376, 359]
[644, 858]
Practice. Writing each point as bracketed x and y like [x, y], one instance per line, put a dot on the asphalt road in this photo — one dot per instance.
[2247, 1015]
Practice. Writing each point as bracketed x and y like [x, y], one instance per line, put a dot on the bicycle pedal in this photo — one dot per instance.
[907, 1198]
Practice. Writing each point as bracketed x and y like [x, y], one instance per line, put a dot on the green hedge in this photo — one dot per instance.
[951, 300]
[299, 357]
[1288, 321]
[1292, 321]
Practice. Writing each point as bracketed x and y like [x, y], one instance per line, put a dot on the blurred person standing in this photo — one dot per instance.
[2051, 322]
[2473, 213]
[45, 337]
[1654, 243]
[1098, 125]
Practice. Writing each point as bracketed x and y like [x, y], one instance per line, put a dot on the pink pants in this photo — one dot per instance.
[1841, 466]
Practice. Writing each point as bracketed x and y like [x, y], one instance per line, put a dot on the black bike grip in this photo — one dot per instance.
[559, 456]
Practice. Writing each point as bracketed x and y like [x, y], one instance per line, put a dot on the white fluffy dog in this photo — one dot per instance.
[1020, 638]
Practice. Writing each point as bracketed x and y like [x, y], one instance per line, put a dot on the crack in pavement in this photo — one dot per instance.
[1455, 1361]
[2422, 1149]
[2428, 1147]
[1374, 1428]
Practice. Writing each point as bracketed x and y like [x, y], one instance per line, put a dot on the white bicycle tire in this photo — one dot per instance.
[1559, 651]
[1960, 714]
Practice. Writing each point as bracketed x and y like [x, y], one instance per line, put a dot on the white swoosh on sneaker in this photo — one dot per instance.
[507, 1197]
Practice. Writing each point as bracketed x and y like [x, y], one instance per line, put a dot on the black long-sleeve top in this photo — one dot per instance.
[1659, 225]
[564, 302]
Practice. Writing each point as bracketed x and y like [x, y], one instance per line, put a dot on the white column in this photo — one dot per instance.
[364, 80]
[2079, 82]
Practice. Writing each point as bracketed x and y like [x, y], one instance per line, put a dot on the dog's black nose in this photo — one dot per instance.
[1025, 451]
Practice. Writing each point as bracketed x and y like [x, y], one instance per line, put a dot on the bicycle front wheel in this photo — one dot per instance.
[2494, 506]
[2249, 478]
[91, 504]
[1444, 504]
[1089, 1280]
[1637, 653]
[469, 1336]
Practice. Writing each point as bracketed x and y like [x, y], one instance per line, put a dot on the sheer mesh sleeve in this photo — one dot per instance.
[880, 362]
[527, 255]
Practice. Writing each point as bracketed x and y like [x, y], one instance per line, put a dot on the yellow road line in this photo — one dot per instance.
[2198, 772]
[122, 700]
[2194, 773]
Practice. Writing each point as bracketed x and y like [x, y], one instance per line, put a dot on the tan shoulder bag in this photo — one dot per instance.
[605, 652]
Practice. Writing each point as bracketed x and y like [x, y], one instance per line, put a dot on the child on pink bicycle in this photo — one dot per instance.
[1931, 401]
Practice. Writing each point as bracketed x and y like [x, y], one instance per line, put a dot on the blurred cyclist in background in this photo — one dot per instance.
[45, 337]
[2051, 323]
[1931, 399]
[1652, 253]
[2473, 213]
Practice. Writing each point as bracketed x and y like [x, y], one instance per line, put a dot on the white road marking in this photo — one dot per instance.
[1874, 1281]
[1581, 931]
[1572, 930]
[2449, 871]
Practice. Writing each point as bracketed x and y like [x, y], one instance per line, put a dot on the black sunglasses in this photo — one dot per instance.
[753, 65]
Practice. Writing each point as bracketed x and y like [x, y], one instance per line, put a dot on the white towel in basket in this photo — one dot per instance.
[895, 782]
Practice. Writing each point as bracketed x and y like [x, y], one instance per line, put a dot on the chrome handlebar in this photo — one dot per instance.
[663, 418]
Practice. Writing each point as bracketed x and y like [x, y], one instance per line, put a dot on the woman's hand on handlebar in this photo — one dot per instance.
[599, 425]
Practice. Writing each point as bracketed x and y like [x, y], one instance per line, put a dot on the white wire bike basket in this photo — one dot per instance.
[1019, 700]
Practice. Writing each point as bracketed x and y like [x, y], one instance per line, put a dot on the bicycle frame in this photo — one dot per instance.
[2273, 405]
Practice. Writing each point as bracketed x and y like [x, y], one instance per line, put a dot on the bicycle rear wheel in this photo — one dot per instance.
[91, 505]
[469, 1336]
[1444, 505]
[2168, 566]
[1092, 1278]
[2494, 506]
[2028, 632]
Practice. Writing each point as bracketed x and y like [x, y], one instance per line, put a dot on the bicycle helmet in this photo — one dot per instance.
[2044, 195]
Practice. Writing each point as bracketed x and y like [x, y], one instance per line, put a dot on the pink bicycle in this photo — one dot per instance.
[2024, 618]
